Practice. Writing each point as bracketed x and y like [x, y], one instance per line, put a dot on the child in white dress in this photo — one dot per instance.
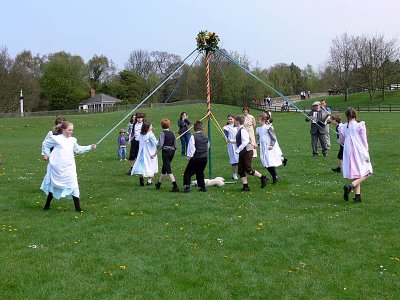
[270, 152]
[146, 164]
[230, 136]
[61, 179]
[356, 160]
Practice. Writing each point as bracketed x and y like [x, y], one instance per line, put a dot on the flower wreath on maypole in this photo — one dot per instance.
[208, 42]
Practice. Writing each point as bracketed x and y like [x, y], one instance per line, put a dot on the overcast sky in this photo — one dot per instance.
[268, 32]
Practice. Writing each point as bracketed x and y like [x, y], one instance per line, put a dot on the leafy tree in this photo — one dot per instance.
[25, 74]
[7, 97]
[64, 81]
[342, 61]
[99, 69]
[128, 87]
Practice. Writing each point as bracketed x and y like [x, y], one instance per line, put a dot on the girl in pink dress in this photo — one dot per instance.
[356, 161]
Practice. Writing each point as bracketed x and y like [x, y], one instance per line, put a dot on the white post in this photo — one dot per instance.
[21, 101]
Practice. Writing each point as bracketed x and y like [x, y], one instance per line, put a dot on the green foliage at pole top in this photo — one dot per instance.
[207, 41]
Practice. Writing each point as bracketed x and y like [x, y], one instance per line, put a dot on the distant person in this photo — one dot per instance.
[183, 124]
[308, 94]
[265, 104]
[269, 101]
[337, 121]
[61, 180]
[356, 160]
[286, 105]
[317, 130]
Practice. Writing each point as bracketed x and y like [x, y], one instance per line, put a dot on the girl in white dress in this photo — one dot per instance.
[146, 164]
[270, 152]
[61, 179]
[230, 136]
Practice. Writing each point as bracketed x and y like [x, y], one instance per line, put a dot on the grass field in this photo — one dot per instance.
[296, 239]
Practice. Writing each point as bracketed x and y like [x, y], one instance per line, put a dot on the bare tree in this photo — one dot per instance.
[375, 59]
[139, 61]
[342, 60]
[164, 62]
[388, 57]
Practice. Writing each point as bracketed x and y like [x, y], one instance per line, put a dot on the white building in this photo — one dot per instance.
[98, 102]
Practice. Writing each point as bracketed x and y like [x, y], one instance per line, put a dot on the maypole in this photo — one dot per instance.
[208, 42]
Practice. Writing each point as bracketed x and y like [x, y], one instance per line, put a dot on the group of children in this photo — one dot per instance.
[241, 147]
[59, 146]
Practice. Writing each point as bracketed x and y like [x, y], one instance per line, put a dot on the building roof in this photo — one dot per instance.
[100, 98]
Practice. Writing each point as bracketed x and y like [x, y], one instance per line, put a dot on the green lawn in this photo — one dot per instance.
[296, 239]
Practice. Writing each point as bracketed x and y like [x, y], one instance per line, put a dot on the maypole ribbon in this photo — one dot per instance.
[148, 96]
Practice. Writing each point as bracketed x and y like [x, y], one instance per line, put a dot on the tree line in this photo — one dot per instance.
[61, 80]
[363, 63]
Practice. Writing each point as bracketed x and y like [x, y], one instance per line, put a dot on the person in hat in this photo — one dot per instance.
[121, 145]
[317, 130]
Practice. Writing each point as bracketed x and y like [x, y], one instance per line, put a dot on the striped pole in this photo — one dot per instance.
[208, 57]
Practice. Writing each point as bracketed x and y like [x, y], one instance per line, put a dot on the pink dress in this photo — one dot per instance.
[356, 160]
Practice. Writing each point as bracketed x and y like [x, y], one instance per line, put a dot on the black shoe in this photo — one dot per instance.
[158, 185]
[186, 189]
[285, 161]
[245, 189]
[346, 191]
[357, 199]
[129, 172]
[46, 208]
[315, 154]
[141, 181]
[149, 183]
[325, 155]
[175, 189]
[276, 179]
[264, 180]
[336, 170]
[202, 189]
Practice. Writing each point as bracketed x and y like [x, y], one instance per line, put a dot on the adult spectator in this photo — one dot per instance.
[317, 130]
[183, 124]
[327, 117]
